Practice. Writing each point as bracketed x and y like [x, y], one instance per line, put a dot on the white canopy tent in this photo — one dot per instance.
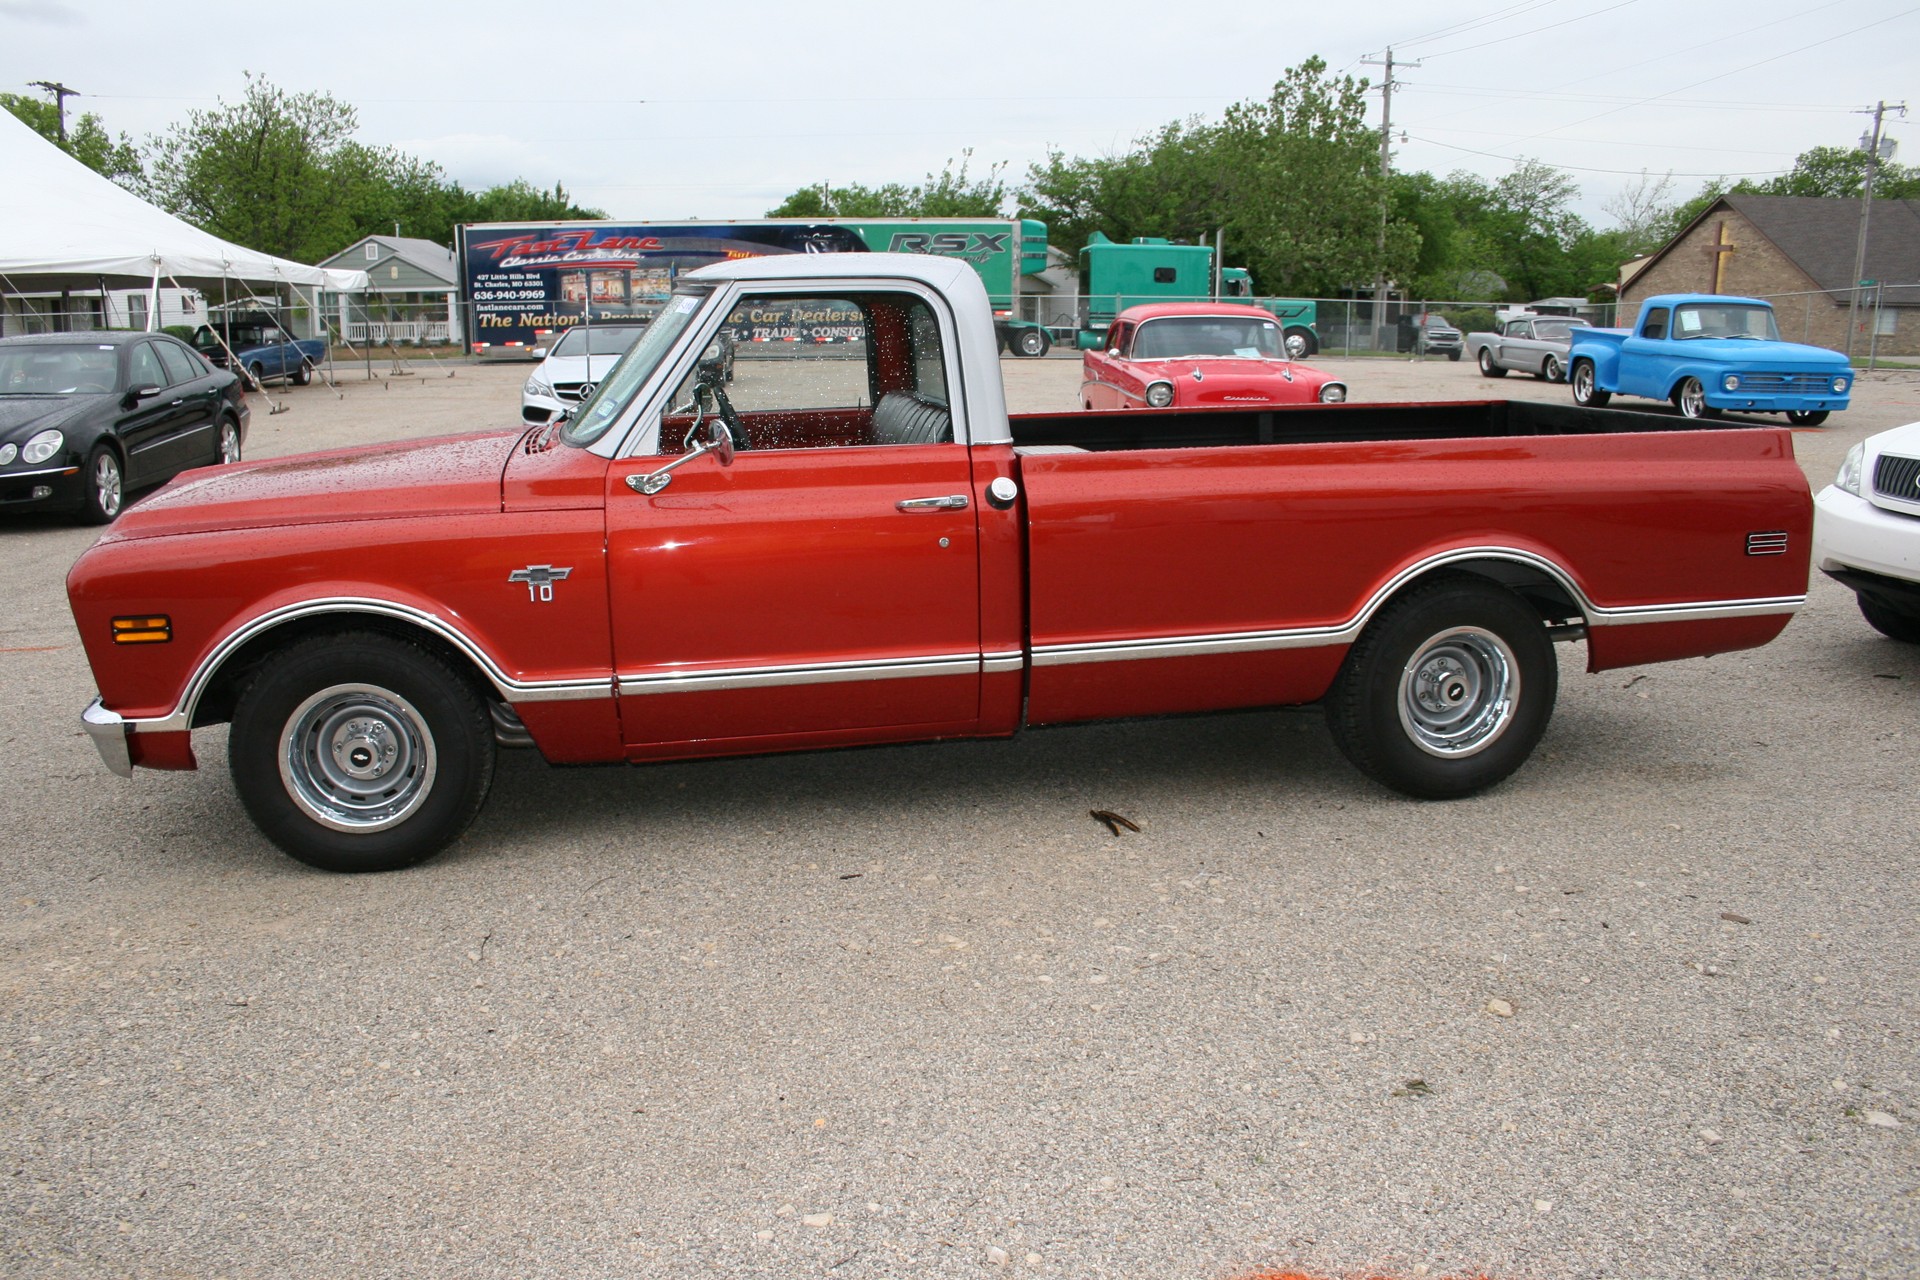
[65, 227]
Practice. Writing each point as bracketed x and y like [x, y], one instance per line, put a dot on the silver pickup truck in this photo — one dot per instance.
[1532, 344]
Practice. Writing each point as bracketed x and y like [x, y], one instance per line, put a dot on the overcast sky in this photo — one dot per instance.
[721, 110]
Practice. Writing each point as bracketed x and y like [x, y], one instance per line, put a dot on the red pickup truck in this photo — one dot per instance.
[854, 543]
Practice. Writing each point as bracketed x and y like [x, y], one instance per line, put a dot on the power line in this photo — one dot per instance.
[1519, 35]
[1472, 24]
[1581, 168]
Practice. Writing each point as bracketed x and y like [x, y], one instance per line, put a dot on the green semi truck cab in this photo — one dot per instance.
[1116, 276]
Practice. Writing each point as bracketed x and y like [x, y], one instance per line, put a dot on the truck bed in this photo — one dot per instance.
[1332, 424]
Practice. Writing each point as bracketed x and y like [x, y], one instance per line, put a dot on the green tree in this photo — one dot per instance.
[1291, 180]
[87, 139]
[949, 194]
[521, 201]
[1838, 173]
[271, 171]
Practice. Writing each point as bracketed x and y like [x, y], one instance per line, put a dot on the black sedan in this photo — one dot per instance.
[87, 418]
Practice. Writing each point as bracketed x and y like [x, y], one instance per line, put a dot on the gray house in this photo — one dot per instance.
[413, 293]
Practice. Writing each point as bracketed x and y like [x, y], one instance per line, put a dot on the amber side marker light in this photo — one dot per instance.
[147, 629]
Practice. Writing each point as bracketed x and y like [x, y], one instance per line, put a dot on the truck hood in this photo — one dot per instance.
[445, 476]
[1759, 354]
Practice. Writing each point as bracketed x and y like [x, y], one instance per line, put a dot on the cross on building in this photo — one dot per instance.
[1720, 248]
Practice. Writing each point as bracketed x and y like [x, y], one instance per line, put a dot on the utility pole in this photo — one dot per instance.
[1386, 191]
[60, 94]
[1878, 111]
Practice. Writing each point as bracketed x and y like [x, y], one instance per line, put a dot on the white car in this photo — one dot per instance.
[574, 365]
[1866, 530]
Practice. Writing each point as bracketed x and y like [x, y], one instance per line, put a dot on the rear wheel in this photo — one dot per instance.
[1690, 398]
[1300, 343]
[229, 442]
[360, 752]
[1586, 392]
[1488, 369]
[1806, 417]
[106, 487]
[1895, 624]
[1550, 369]
[1447, 691]
[256, 376]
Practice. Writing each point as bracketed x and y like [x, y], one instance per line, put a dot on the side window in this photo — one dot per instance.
[180, 365]
[1656, 324]
[144, 368]
[1117, 338]
[1163, 275]
[824, 372]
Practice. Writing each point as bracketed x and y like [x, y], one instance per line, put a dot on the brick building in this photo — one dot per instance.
[1797, 252]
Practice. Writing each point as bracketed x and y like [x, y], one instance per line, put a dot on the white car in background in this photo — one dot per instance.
[576, 363]
[1866, 530]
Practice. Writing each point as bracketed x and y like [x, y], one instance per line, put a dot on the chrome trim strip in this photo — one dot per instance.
[508, 688]
[1145, 647]
[998, 663]
[109, 734]
[706, 681]
[43, 471]
[1701, 611]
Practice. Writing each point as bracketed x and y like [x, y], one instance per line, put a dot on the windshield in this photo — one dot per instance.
[1556, 328]
[593, 418]
[600, 340]
[1177, 336]
[55, 370]
[1724, 320]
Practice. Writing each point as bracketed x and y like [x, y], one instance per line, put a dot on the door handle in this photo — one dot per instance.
[952, 502]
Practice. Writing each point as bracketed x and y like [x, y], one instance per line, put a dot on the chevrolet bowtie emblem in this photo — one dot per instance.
[539, 579]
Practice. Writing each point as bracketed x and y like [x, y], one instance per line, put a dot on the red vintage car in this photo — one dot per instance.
[1199, 355]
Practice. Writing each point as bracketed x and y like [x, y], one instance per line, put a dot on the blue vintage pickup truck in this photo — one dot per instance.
[1709, 353]
[264, 350]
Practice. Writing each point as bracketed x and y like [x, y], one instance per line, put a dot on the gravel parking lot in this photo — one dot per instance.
[1646, 1010]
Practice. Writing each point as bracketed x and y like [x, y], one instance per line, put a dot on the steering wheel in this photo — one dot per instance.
[728, 415]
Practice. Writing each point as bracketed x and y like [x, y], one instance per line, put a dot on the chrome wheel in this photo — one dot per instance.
[229, 443]
[1550, 369]
[1458, 692]
[104, 478]
[1296, 346]
[357, 758]
[1690, 398]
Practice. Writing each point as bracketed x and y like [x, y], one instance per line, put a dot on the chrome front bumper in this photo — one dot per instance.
[109, 734]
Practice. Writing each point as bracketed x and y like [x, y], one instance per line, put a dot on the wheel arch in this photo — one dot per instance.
[1543, 585]
[216, 684]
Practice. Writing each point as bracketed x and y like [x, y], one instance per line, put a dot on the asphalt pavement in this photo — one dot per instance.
[1647, 1010]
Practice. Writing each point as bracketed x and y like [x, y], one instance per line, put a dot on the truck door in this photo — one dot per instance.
[1646, 357]
[824, 586]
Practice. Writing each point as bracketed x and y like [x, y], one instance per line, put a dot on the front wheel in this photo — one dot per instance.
[1690, 398]
[105, 487]
[1488, 369]
[1806, 417]
[1454, 355]
[1550, 370]
[1447, 690]
[360, 752]
[304, 374]
[1586, 391]
[1894, 624]
[1031, 342]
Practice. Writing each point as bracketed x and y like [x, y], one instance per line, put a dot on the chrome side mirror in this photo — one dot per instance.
[717, 442]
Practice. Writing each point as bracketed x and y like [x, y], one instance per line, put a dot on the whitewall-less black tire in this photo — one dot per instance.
[360, 752]
[1447, 691]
